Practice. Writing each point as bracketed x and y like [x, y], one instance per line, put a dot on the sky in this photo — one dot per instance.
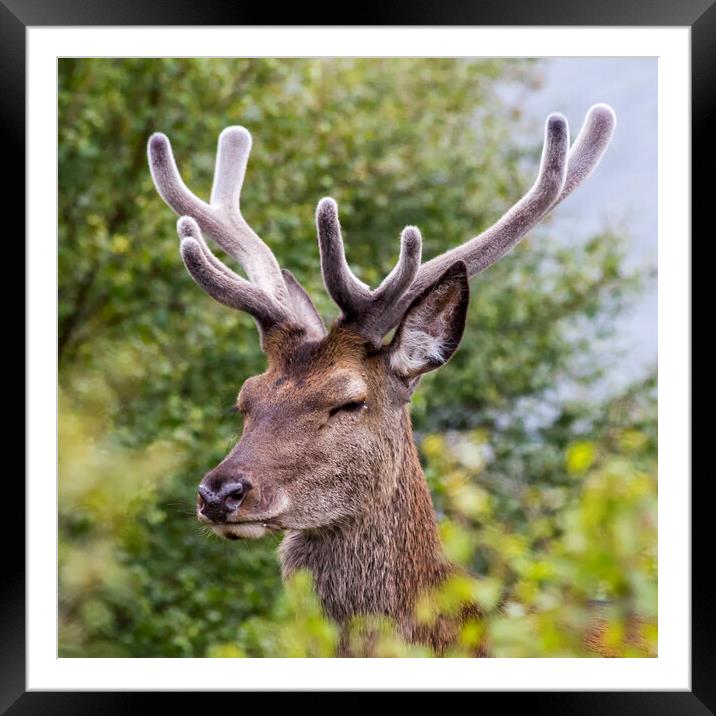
[622, 191]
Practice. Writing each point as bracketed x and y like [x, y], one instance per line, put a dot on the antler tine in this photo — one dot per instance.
[221, 218]
[232, 156]
[350, 294]
[559, 175]
[167, 179]
[399, 279]
[358, 303]
[589, 147]
[187, 228]
[490, 246]
[220, 282]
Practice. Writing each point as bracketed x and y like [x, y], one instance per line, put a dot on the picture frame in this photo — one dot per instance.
[15, 19]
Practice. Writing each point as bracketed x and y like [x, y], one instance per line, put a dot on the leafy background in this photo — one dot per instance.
[547, 493]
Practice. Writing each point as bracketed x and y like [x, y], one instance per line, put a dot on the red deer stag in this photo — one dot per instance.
[327, 452]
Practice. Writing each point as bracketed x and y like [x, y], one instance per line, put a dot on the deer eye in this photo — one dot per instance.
[353, 406]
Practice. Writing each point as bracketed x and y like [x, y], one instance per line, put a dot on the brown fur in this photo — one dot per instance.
[327, 450]
[360, 516]
[347, 487]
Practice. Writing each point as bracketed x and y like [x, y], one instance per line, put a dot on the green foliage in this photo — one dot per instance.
[579, 572]
[149, 365]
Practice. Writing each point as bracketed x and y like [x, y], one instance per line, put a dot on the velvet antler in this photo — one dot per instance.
[361, 305]
[271, 296]
[561, 171]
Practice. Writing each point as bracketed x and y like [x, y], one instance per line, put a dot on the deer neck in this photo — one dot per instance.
[380, 561]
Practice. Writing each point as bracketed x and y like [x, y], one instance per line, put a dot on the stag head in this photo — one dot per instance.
[328, 419]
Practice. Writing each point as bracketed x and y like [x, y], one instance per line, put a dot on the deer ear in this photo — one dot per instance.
[432, 327]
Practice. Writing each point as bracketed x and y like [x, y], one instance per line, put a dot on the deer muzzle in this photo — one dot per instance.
[217, 503]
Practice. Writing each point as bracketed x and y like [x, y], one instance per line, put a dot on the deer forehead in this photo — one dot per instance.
[313, 390]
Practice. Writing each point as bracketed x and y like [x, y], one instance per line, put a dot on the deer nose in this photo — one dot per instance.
[217, 504]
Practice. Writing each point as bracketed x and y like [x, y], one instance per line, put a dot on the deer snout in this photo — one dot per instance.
[227, 496]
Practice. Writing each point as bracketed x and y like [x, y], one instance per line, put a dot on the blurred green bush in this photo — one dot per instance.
[549, 501]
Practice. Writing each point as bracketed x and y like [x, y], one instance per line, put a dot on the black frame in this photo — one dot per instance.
[699, 15]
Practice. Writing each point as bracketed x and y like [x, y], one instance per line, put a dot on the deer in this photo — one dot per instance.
[327, 454]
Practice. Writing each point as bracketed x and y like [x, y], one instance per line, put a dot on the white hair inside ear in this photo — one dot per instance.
[418, 348]
[432, 327]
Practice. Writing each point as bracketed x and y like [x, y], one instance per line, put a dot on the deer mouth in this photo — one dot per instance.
[249, 529]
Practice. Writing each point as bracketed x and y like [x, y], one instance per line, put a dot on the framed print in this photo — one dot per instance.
[248, 466]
